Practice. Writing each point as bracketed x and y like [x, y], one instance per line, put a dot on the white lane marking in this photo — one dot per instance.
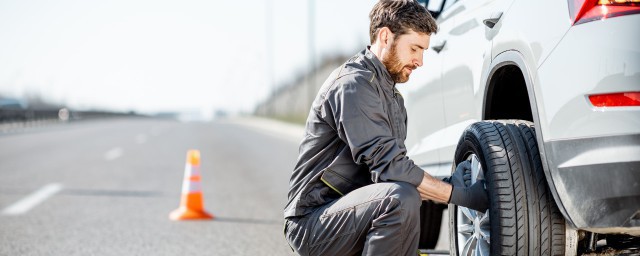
[32, 200]
[113, 154]
[141, 138]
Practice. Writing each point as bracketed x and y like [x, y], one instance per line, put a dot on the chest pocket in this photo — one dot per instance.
[397, 116]
[394, 108]
[401, 116]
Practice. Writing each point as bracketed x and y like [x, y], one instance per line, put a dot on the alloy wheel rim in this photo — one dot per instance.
[473, 229]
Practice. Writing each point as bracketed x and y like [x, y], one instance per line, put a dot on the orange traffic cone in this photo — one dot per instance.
[191, 206]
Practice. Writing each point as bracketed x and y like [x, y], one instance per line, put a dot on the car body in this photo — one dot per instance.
[543, 62]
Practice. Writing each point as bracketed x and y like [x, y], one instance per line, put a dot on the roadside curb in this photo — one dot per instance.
[288, 131]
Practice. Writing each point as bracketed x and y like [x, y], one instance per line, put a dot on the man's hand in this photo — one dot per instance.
[475, 196]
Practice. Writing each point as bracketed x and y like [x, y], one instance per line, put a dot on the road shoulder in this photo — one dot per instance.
[288, 131]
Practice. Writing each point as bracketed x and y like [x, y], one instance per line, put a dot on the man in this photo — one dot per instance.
[354, 190]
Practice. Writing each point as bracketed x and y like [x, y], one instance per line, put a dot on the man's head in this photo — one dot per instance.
[399, 33]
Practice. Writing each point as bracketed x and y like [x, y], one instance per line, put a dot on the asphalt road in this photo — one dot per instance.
[107, 187]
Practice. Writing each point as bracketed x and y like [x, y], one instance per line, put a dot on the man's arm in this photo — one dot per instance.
[434, 189]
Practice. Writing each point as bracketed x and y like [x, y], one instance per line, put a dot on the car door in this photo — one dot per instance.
[468, 51]
[425, 114]
[423, 98]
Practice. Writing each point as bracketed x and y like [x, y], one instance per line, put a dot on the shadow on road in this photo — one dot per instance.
[250, 221]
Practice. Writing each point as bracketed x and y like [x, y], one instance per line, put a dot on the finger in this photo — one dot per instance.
[467, 179]
[466, 165]
[457, 180]
[461, 168]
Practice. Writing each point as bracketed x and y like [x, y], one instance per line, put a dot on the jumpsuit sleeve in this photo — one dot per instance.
[360, 120]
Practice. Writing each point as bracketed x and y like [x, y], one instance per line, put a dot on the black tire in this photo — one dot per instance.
[430, 220]
[523, 217]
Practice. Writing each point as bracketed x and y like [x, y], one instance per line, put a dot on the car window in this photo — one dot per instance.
[446, 13]
[448, 4]
[434, 5]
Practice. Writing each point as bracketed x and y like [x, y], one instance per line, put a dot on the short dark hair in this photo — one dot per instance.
[400, 16]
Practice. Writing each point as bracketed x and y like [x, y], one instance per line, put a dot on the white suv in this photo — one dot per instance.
[544, 98]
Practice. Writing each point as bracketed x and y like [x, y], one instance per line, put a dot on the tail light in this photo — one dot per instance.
[622, 99]
[582, 11]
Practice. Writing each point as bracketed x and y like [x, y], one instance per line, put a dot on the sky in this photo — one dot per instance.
[155, 56]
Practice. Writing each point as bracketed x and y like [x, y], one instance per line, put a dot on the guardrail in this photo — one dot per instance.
[15, 119]
[23, 115]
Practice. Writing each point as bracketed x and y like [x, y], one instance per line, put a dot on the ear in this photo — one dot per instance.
[385, 37]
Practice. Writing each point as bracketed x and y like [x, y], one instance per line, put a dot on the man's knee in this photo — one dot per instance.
[407, 195]
[402, 204]
[405, 191]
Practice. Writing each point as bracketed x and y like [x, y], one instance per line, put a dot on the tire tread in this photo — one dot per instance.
[524, 217]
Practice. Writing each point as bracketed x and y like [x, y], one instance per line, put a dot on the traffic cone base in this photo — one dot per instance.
[183, 213]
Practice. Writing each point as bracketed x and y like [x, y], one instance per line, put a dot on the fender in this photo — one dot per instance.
[515, 58]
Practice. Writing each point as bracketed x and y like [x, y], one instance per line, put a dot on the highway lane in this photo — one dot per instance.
[121, 178]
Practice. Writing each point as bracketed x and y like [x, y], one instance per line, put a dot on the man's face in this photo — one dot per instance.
[405, 54]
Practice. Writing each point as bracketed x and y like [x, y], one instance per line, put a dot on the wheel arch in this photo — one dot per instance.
[504, 69]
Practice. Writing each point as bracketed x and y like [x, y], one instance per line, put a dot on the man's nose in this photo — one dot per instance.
[418, 61]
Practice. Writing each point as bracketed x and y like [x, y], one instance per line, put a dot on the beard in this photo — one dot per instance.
[395, 67]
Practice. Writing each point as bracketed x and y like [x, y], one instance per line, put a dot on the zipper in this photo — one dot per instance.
[396, 113]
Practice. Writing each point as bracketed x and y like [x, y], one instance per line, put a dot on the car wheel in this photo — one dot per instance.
[430, 220]
[522, 218]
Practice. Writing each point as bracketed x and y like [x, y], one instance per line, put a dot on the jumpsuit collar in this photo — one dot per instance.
[381, 72]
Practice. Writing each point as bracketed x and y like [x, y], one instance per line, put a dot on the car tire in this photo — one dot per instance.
[523, 218]
[430, 221]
